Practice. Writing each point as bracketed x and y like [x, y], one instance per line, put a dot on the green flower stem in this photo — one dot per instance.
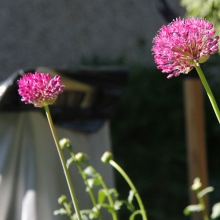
[128, 180]
[69, 212]
[62, 159]
[208, 91]
[91, 194]
[114, 215]
[201, 201]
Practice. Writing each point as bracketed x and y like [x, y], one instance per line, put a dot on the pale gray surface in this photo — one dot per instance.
[61, 32]
[31, 174]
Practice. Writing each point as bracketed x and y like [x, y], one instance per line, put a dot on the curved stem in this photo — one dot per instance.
[201, 201]
[205, 215]
[66, 172]
[208, 91]
[92, 196]
[114, 216]
[68, 210]
[128, 180]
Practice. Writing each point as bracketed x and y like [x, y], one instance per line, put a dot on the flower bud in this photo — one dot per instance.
[106, 157]
[64, 143]
[80, 157]
[62, 199]
[196, 184]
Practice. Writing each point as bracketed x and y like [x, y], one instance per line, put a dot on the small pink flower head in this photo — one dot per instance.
[39, 88]
[182, 44]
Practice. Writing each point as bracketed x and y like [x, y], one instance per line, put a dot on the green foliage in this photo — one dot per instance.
[210, 10]
[61, 211]
[201, 206]
[193, 208]
[205, 191]
[106, 198]
[216, 211]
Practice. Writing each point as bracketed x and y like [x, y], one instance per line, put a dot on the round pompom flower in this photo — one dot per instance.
[39, 88]
[182, 44]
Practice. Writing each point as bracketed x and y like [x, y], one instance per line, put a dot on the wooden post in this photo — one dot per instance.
[195, 134]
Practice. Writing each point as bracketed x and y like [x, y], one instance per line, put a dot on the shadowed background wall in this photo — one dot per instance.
[64, 32]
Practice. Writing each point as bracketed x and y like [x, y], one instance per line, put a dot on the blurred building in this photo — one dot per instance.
[67, 32]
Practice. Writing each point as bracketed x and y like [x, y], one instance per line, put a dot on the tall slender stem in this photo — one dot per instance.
[66, 172]
[128, 180]
[208, 91]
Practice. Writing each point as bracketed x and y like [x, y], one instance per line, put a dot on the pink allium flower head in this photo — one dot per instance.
[39, 88]
[182, 44]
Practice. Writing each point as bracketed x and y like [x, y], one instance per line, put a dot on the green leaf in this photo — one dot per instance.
[87, 214]
[118, 204]
[131, 196]
[193, 208]
[215, 211]
[108, 207]
[196, 184]
[93, 182]
[90, 171]
[60, 212]
[94, 213]
[205, 191]
[130, 207]
[101, 196]
[69, 161]
[113, 192]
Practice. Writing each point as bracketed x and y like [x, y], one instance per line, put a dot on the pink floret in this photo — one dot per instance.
[39, 88]
[182, 44]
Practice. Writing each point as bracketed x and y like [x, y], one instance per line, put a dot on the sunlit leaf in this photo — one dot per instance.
[93, 182]
[101, 196]
[90, 171]
[193, 208]
[118, 204]
[60, 212]
[94, 213]
[205, 191]
[69, 161]
[113, 192]
[196, 184]
[215, 211]
[131, 196]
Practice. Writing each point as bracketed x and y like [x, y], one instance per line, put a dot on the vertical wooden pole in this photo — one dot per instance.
[195, 134]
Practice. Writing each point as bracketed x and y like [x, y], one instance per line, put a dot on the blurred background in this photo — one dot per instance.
[148, 126]
[72, 32]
